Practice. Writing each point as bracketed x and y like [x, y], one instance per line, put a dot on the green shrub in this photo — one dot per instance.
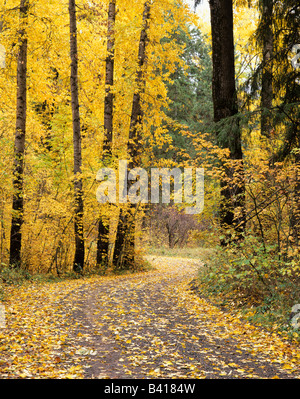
[256, 280]
[13, 275]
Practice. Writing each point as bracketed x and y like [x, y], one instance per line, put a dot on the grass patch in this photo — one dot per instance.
[185, 252]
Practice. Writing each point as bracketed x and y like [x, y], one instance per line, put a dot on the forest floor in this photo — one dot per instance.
[145, 325]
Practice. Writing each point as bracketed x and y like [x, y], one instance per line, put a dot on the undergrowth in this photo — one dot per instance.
[255, 281]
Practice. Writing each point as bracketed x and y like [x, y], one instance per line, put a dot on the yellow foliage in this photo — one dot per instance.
[48, 229]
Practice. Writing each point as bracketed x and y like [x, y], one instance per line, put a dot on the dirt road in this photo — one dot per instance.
[152, 326]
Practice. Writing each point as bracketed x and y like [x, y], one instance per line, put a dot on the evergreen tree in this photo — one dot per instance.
[275, 77]
[189, 93]
[225, 116]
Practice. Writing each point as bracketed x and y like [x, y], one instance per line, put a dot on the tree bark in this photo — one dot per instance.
[267, 67]
[109, 82]
[78, 262]
[225, 106]
[19, 147]
[103, 225]
[136, 120]
[124, 250]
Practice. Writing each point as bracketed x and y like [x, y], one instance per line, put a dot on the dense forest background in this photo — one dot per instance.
[85, 84]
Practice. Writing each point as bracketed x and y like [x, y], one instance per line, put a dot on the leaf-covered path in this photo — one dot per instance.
[148, 325]
[151, 326]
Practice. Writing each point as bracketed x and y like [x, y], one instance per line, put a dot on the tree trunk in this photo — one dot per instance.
[267, 71]
[136, 120]
[19, 147]
[103, 225]
[225, 106]
[109, 82]
[125, 242]
[78, 262]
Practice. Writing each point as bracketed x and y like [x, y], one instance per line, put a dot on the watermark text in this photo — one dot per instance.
[138, 186]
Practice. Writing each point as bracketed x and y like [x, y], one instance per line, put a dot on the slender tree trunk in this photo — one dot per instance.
[78, 263]
[225, 106]
[136, 121]
[19, 148]
[125, 242]
[267, 71]
[103, 226]
[109, 82]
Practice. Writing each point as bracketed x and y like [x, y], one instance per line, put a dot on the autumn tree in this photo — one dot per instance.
[54, 170]
[124, 245]
[103, 225]
[19, 147]
[78, 263]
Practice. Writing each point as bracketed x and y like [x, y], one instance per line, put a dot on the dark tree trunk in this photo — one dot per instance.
[136, 121]
[103, 225]
[123, 258]
[125, 242]
[225, 106]
[267, 67]
[109, 82]
[19, 148]
[78, 262]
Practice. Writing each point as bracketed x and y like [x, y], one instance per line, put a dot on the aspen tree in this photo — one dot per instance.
[19, 146]
[78, 263]
[125, 240]
[103, 224]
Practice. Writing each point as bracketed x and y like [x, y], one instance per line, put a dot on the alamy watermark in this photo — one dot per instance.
[295, 60]
[295, 316]
[137, 186]
[2, 316]
[2, 56]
